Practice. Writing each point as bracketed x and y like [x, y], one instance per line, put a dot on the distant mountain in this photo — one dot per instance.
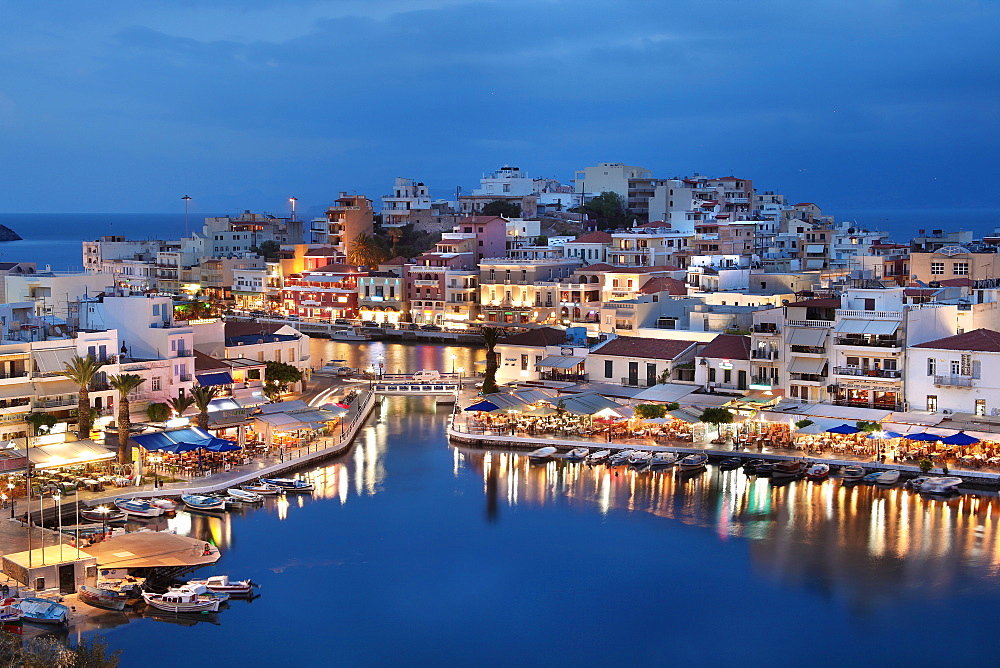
[7, 234]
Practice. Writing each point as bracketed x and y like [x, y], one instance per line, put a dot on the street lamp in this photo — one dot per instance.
[293, 200]
[13, 503]
[381, 366]
[58, 500]
[453, 359]
[461, 370]
[104, 510]
[186, 199]
[155, 460]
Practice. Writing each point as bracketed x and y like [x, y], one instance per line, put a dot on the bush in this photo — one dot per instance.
[925, 465]
[802, 424]
[650, 411]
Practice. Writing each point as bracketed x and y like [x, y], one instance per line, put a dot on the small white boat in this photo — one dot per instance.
[943, 485]
[576, 454]
[42, 611]
[244, 495]
[599, 456]
[201, 502]
[852, 473]
[663, 459]
[353, 334]
[620, 457]
[542, 454]
[289, 484]
[640, 458]
[138, 507]
[182, 599]
[221, 584]
[890, 477]
[818, 471]
[916, 483]
[262, 488]
[167, 505]
[693, 462]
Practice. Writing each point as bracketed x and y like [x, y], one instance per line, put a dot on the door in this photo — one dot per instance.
[741, 380]
[67, 579]
[633, 373]
[650, 375]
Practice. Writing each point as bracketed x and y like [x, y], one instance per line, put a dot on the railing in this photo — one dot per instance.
[809, 350]
[874, 373]
[868, 343]
[18, 374]
[185, 353]
[764, 354]
[55, 403]
[763, 380]
[871, 315]
[99, 387]
[564, 377]
[186, 378]
[765, 329]
[636, 382]
[810, 323]
[809, 377]
[889, 406]
[956, 381]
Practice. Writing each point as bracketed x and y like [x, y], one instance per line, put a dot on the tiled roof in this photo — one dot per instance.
[593, 238]
[323, 251]
[728, 347]
[543, 336]
[604, 266]
[666, 284]
[978, 340]
[481, 220]
[956, 283]
[336, 269]
[818, 303]
[248, 328]
[633, 346]
[203, 362]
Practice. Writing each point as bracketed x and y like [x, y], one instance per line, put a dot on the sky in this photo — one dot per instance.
[113, 106]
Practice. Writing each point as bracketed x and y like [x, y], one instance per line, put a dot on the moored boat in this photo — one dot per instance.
[890, 477]
[138, 507]
[542, 454]
[788, 470]
[182, 599]
[262, 488]
[353, 334]
[292, 484]
[202, 502]
[750, 467]
[764, 469]
[663, 459]
[167, 505]
[818, 471]
[640, 458]
[223, 585]
[871, 478]
[11, 618]
[693, 462]
[620, 457]
[599, 456]
[576, 454]
[107, 599]
[42, 611]
[730, 463]
[110, 517]
[244, 495]
[852, 473]
[942, 485]
[916, 483]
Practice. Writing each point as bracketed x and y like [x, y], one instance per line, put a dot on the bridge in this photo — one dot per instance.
[445, 388]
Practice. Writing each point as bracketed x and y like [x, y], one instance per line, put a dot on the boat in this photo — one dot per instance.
[640, 458]
[764, 469]
[788, 470]
[693, 462]
[599, 456]
[542, 454]
[201, 502]
[871, 478]
[110, 517]
[42, 611]
[620, 457]
[223, 585]
[129, 589]
[730, 463]
[890, 477]
[182, 599]
[663, 459]
[852, 473]
[201, 590]
[818, 471]
[942, 485]
[916, 483]
[293, 485]
[107, 599]
[261, 488]
[138, 507]
[577, 454]
[11, 618]
[167, 505]
[352, 334]
[751, 466]
[244, 495]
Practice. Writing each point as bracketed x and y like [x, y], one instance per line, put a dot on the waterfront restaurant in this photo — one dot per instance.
[293, 423]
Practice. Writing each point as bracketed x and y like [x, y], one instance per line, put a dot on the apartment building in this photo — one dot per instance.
[509, 289]
[640, 362]
[724, 364]
[328, 292]
[950, 262]
[407, 197]
[349, 216]
[382, 293]
[956, 374]
[507, 184]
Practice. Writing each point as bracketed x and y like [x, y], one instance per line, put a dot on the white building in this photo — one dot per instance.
[407, 196]
[956, 374]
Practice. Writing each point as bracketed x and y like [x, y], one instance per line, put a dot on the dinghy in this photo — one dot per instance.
[223, 585]
[244, 495]
[262, 488]
[138, 507]
[542, 454]
[291, 484]
[599, 456]
[182, 599]
[663, 459]
[201, 502]
[890, 477]
[576, 454]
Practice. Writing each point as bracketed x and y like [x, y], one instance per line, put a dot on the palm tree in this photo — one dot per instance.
[491, 336]
[81, 370]
[124, 383]
[181, 404]
[202, 398]
[395, 236]
[365, 251]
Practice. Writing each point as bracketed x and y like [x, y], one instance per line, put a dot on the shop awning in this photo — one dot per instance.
[54, 360]
[848, 412]
[179, 440]
[559, 362]
[807, 336]
[686, 416]
[807, 365]
[214, 378]
[665, 392]
[67, 454]
[282, 422]
[819, 425]
[18, 390]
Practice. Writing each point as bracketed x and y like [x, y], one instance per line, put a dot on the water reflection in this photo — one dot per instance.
[396, 357]
[868, 540]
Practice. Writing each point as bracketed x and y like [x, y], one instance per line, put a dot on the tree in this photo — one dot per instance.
[716, 416]
[541, 240]
[180, 404]
[45, 652]
[158, 412]
[673, 405]
[650, 411]
[608, 210]
[365, 251]
[499, 207]
[395, 236]
[491, 336]
[867, 427]
[81, 370]
[124, 383]
[202, 398]
[802, 424]
[40, 423]
[282, 375]
[269, 249]
[925, 466]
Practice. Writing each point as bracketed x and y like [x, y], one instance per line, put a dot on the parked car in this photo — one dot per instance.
[411, 326]
[369, 323]
[341, 321]
[431, 328]
[427, 374]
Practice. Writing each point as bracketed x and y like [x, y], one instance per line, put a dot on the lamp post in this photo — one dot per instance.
[13, 503]
[293, 200]
[381, 366]
[186, 199]
[454, 358]
[104, 510]
[155, 460]
[58, 500]
[461, 370]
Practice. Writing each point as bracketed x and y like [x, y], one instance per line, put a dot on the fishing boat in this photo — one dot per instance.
[223, 585]
[293, 485]
[620, 457]
[138, 507]
[262, 488]
[916, 483]
[201, 502]
[577, 454]
[942, 485]
[102, 598]
[201, 590]
[110, 517]
[788, 470]
[663, 459]
[692, 463]
[167, 505]
[890, 477]
[730, 463]
[640, 458]
[42, 611]
[244, 495]
[599, 456]
[852, 473]
[542, 454]
[182, 599]
[764, 469]
[818, 471]
[750, 467]
[871, 478]
[11, 618]
[353, 334]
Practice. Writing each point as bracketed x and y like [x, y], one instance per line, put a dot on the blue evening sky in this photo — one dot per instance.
[121, 106]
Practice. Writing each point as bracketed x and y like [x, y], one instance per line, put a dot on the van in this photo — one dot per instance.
[427, 374]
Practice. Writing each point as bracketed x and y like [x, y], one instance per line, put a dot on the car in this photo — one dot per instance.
[427, 374]
[388, 325]
[431, 328]
[341, 321]
[369, 323]
[294, 317]
[410, 326]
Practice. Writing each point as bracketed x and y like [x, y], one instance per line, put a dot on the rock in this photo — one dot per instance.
[7, 234]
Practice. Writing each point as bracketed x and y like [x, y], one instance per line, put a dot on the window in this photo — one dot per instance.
[155, 384]
[711, 375]
[727, 376]
[960, 268]
[931, 363]
[980, 407]
[869, 304]
[524, 362]
[956, 367]
[937, 268]
[931, 403]
[966, 365]
[609, 368]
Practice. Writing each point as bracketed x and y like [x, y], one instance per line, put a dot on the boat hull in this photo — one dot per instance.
[199, 606]
[101, 598]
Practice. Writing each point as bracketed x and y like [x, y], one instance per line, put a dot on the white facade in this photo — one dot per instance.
[506, 182]
[608, 177]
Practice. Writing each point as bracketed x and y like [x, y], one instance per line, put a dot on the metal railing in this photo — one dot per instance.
[810, 323]
[868, 343]
[874, 373]
[956, 381]
[765, 329]
[764, 354]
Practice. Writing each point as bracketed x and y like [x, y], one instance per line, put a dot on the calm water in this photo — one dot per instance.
[413, 552]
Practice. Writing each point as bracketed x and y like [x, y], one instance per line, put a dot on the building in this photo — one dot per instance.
[511, 289]
[956, 374]
[382, 293]
[349, 216]
[724, 364]
[635, 185]
[407, 197]
[640, 362]
[328, 292]
[950, 262]
[507, 184]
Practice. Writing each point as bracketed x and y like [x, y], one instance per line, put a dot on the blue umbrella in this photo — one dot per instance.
[922, 436]
[222, 445]
[483, 406]
[960, 438]
[843, 429]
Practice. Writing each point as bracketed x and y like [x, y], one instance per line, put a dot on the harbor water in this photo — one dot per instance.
[414, 552]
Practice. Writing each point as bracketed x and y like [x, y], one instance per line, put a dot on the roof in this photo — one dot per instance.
[203, 362]
[481, 220]
[604, 266]
[956, 283]
[248, 328]
[633, 346]
[322, 251]
[335, 269]
[666, 284]
[251, 339]
[833, 302]
[728, 347]
[543, 336]
[804, 204]
[978, 340]
[593, 238]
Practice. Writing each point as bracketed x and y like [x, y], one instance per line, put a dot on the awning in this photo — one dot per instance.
[847, 412]
[819, 425]
[223, 404]
[284, 406]
[67, 454]
[214, 378]
[881, 327]
[807, 336]
[54, 360]
[17, 390]
[807, 365]
[281, 422]
[851, 326]
[686, 416]
[559, 362]
[665, 392]
[815, 248]
[177, 440]
[814, 263]
[55, 386]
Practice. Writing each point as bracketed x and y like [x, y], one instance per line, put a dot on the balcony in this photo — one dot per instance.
[871, 315]
[637, 382]
[15, 374]
[883, 404]
[809, 350]
[808, 377]
[810, 323]
[954, 381]
[765, 328]
[764, 354]
[764, 380]
[422, 283]
[56, 403]
[870, 373]
[186, 378]
[868, 343]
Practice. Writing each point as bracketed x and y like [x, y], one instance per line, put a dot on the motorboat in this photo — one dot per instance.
[107, 599]
[202, 502]
[11, 617]
[182, 599]
[751, 466]
[730, 463]
[542, 454]
[223, 585]
[852, 473]
[262, 488]
[295, 485]
[871, 478]
[352, 334]
[788, 470]
[818, 471]
[244, 495]
[620, 457]
[764, 469]
[599, 456]
[693, 462]
[42, 611]
[138, 507]
[640, 458]
[167, 505]
[890, 477]
[917, 483]
[109, 517]
[201, 590]
[577, 454]
[941, 485]
[663, 459]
